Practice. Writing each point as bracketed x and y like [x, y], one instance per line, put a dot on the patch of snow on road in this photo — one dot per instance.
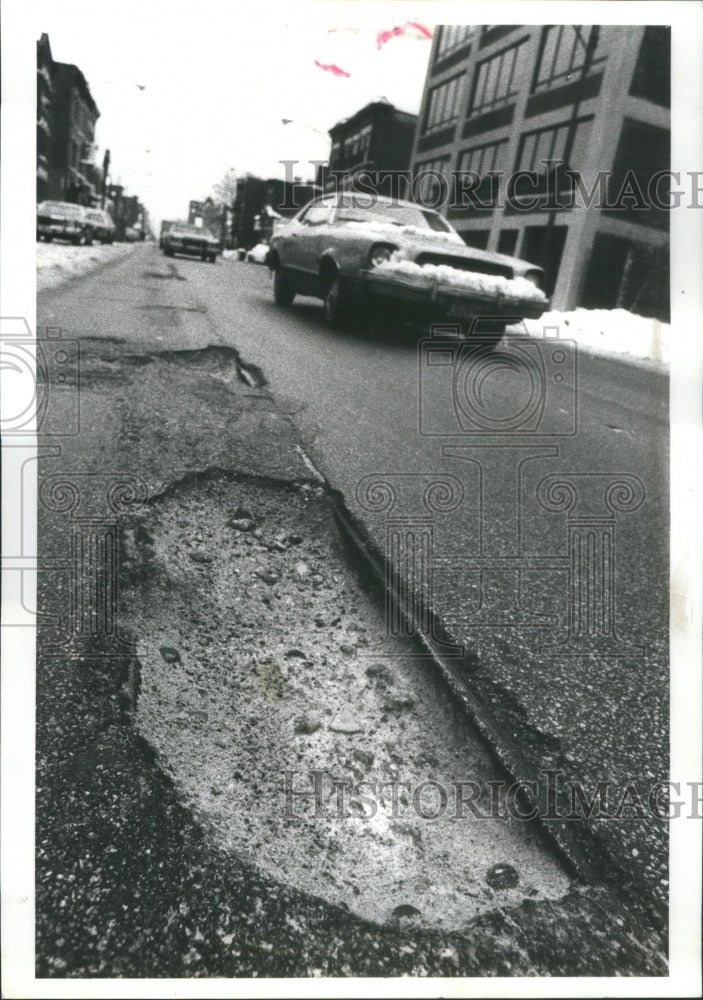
[615, 332]
[59, 262]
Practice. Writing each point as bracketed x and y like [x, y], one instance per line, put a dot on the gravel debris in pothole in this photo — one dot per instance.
[307, 743]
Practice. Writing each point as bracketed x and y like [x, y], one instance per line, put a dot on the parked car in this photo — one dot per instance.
[258, 254]
[101, 224]
[182, 237]
[132, 234]
[398, 258]
[62, 220]
[165, 226]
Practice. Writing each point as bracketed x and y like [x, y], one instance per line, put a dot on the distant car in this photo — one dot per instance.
[399, 258]
[101, 224]
[258, 254]
[184, 238]
[132, 234]
[62, 220]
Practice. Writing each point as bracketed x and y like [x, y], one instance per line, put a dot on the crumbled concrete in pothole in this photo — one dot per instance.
[261, 654]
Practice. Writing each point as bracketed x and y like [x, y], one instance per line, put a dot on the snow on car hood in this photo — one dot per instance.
[471, 281]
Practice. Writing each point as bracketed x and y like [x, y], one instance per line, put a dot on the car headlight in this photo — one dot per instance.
[535, 278]
[381, 254]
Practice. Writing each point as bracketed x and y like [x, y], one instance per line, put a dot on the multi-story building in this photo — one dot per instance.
[72, 173]
[551, 101]
[45, 89]
[379, 137]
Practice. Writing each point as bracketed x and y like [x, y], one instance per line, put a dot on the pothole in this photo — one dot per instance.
[314, 748]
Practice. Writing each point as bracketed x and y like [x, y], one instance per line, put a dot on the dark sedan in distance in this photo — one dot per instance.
[185, 238]
[101, 224]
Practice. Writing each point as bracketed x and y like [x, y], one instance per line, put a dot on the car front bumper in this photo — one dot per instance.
[59, 229]
[193, 249]
[430, 298]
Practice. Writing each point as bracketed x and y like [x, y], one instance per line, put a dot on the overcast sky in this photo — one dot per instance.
[218, 77]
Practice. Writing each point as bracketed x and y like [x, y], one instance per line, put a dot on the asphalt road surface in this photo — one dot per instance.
[533, 481]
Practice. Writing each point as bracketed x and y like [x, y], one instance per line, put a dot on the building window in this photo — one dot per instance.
[551, 144]
[563, 53]
[481, 159]
[507, 241]
[652, 76]
[355, 147]
[428, 188]
[443, 104]
[452, 37]
[497, 79]
[477, 238]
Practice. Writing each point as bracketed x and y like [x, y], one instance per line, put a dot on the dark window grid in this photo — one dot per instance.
[495, 80]
[439, 166]
[553, 49]
[482, 159]
[443, 104]
[452, 37]
[547, 144]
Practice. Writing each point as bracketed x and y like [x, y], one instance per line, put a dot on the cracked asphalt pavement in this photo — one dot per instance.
[242, 642]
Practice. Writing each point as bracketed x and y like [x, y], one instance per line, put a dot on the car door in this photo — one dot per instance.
[301, 244]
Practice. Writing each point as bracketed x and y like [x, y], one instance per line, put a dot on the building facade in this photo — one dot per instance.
[379, 137]
[539, 104]
[73, 175]
[45, 91]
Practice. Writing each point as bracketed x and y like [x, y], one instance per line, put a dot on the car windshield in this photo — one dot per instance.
[394, 213]
[59, 206]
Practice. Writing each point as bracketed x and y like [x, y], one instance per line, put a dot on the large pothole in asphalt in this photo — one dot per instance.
[266, 671]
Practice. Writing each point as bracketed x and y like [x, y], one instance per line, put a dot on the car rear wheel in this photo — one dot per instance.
[168, 252]
[336, 304]
[283, 290]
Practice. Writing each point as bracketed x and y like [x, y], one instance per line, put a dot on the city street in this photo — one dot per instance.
[521, 500]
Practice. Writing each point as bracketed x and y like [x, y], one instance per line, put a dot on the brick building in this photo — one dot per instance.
[545, 100]
[378, 137]
[45, 91]
[72, 174]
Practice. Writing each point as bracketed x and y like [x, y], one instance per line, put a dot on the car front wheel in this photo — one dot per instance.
[335, 304]
[283, 291]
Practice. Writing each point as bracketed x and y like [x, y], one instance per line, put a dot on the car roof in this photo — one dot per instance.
[399, 202]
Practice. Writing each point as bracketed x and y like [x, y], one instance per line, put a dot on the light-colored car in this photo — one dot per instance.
[399, 259]
[62, 220]
[101, 224]
[185, 238]
[258, 254]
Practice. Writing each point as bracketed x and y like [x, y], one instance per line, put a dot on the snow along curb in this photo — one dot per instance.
[614, 333]
[58, 263]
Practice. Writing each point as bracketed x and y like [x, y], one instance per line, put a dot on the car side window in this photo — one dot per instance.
[316, 215]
